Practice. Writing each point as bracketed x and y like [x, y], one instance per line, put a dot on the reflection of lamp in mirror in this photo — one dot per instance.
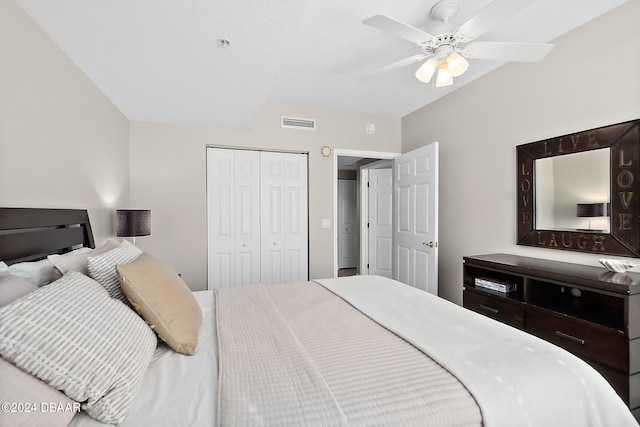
[593, 210]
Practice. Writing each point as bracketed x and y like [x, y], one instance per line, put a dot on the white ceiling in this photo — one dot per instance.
[157, 60]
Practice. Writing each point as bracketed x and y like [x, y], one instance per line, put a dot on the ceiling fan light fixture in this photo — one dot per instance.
[458, 64]
[426, 70]
[449, 49]
[444, 78]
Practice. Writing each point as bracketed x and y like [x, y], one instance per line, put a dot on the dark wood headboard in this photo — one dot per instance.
[28, 234]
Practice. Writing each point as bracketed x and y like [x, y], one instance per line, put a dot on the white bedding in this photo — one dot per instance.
[297, 355]
[175, 382]
[181, 390]
[516, 378]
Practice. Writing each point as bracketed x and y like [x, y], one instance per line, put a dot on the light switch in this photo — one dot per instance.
[326, 223]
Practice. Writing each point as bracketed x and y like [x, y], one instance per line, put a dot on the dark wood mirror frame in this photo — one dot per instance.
[623, 139]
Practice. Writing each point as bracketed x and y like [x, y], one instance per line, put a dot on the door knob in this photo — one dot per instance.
[431, 244]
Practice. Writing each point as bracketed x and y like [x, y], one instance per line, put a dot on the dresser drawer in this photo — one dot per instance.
[582, 339]
[498, 308]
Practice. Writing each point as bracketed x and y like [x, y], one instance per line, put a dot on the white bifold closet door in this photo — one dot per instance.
[284, 234]
[257, 217]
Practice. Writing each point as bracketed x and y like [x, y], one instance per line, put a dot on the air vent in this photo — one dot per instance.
[298, 123]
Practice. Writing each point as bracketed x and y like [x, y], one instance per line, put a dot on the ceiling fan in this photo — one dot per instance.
[447, 52]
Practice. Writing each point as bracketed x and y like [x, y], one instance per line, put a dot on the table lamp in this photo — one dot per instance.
[133, 223]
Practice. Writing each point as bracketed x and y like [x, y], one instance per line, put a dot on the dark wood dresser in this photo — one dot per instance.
[586, 310]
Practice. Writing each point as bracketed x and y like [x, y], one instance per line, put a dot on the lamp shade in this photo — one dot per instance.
[457, 64]
[592, 210]
[444, 77]
[133, 222]
[425, 72]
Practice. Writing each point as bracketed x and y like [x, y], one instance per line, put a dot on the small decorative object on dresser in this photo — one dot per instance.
[591, 312]
[616, 266]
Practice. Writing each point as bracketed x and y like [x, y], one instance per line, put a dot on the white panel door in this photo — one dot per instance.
[296, 233]
[247, 217]
[415, 223]
[220, 221]
[284, 231]
[233, 185]
[380, 222]
[348, 229]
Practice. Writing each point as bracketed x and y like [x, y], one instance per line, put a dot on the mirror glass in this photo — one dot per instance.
[573, 193]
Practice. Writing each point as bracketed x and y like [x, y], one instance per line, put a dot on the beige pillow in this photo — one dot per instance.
[161, 297]
[32, 403]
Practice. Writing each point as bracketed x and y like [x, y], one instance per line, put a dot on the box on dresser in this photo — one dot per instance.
[587, 310]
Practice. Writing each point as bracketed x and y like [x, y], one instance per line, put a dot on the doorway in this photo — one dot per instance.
[410, 203]
[349, 162]
[347, 224]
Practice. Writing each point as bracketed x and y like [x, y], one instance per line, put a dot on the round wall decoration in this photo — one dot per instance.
[371, 128]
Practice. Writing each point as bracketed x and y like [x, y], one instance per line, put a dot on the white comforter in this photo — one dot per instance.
[516, 378]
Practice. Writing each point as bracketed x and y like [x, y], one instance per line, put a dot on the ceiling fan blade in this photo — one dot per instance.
[489, 16]
[393, 66]
[398, 29]
[519, 52]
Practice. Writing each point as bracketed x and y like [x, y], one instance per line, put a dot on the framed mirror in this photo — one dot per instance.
[581, 191]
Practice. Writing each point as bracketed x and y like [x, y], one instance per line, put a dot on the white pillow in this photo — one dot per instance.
[102, 268]
[39, 273]
[77, 260]
[77, 339]
[13, 287]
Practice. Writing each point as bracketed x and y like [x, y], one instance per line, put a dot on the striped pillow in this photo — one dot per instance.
[102, 268]
[77, 339]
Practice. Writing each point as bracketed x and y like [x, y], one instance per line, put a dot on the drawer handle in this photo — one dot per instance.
[491, 309]
[570, 337]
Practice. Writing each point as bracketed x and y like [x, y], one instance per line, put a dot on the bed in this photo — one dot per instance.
[363, 350]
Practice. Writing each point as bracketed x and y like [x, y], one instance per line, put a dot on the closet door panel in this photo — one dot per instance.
[221, 217]
[272, 222]
[257, 217]
[247, 217]
[295, 218]
[272, 263]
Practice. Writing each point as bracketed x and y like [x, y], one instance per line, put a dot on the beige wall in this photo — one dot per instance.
[478, 127]
[168, 171]
[62, 142]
